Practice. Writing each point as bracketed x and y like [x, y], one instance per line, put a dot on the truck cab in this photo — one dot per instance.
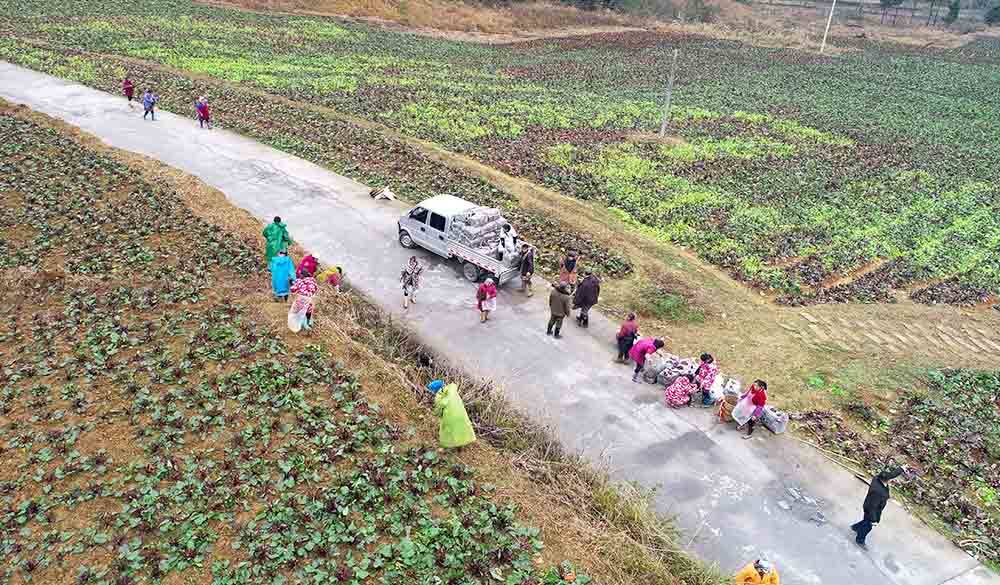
[426, 225]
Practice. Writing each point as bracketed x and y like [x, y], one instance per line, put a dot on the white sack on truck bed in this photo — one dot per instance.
[480, 228]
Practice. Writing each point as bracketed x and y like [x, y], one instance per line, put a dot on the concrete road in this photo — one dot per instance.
[736, 500]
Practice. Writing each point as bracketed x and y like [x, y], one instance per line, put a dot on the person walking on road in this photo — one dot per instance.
[128, 88]
[638, 353]
[568, 267]
[409, 278]
[527, 266]
[276, 235]
[486, 299]
[559, 307]
[759, 572]
[586, 297]
[282, 274]
[875, 501]
[204, 116]
[626, 337]
[149, 100]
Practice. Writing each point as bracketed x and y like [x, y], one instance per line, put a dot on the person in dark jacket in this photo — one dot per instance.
[586, 297]
[875, 501]
[558, 308]
[527, 266]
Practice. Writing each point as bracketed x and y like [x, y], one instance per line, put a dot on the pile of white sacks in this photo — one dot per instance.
[479, 228]
[663, 369]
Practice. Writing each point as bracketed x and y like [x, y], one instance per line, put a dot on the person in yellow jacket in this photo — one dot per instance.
[759, 572]
[456, 428]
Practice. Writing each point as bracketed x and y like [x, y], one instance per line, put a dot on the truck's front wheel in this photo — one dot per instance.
[471, 271]
[405, 240]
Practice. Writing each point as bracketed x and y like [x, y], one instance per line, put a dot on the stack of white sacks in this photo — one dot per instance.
[479, 228]
[664, 368]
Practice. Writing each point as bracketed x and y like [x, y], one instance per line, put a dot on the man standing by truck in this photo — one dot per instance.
[559, 307]
[586, 297]
[527, 266]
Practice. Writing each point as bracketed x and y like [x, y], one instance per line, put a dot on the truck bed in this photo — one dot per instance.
[486, 262]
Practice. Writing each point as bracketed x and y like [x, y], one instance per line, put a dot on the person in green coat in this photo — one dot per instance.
[277, 238]
[456, 428]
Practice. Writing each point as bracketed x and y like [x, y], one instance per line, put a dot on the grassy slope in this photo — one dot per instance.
[174, 397]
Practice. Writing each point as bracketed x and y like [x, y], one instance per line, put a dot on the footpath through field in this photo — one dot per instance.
[736, 500]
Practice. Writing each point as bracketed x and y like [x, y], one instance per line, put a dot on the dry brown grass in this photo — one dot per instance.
[519, 20]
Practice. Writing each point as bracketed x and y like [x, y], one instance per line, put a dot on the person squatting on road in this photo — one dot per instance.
[875, 501]
[626, 337]
[638, 353]
[282, 274]
[704, 377]
[277, 238]
[586, 297]
[759, 572]
[527, 266]
[128, 88]
[300, 314]
[149, 100]
[567, 268]
[559, 307]
[409, 278]
[678, 393]
[204, 116]
[486, 299]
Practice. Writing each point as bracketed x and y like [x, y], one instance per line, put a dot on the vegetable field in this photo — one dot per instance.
[153, 430]
[949, 434]
[823, 179]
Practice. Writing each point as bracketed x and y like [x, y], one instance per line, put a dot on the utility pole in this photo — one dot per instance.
[829, 21]
[670, 93]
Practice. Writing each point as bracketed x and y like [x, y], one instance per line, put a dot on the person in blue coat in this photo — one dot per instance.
[282, 273]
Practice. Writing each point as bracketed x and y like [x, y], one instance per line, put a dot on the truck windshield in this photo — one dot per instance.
[419, 214]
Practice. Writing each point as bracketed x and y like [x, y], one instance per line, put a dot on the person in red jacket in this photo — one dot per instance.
[128, 88]
[758, 396]
[204, 119]
[626, 337]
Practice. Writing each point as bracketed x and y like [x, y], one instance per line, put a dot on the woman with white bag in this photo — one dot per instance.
[751, 406]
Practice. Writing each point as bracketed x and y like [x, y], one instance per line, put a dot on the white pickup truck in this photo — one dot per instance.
[431, 226]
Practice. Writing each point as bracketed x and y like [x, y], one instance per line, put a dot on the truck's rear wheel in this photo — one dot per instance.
[471, 272]
[405, 240]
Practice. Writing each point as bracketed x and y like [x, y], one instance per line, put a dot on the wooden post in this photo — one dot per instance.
[670, 93]
[829, 21]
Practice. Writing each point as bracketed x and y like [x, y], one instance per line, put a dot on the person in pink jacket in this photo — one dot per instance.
[640, 350]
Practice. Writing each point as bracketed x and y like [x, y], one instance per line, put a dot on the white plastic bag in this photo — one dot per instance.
[743, 411]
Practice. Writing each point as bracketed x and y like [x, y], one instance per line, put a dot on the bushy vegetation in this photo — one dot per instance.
[790, 171]
[155, 430]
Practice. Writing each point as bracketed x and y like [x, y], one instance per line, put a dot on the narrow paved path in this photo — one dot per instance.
[736, 500]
